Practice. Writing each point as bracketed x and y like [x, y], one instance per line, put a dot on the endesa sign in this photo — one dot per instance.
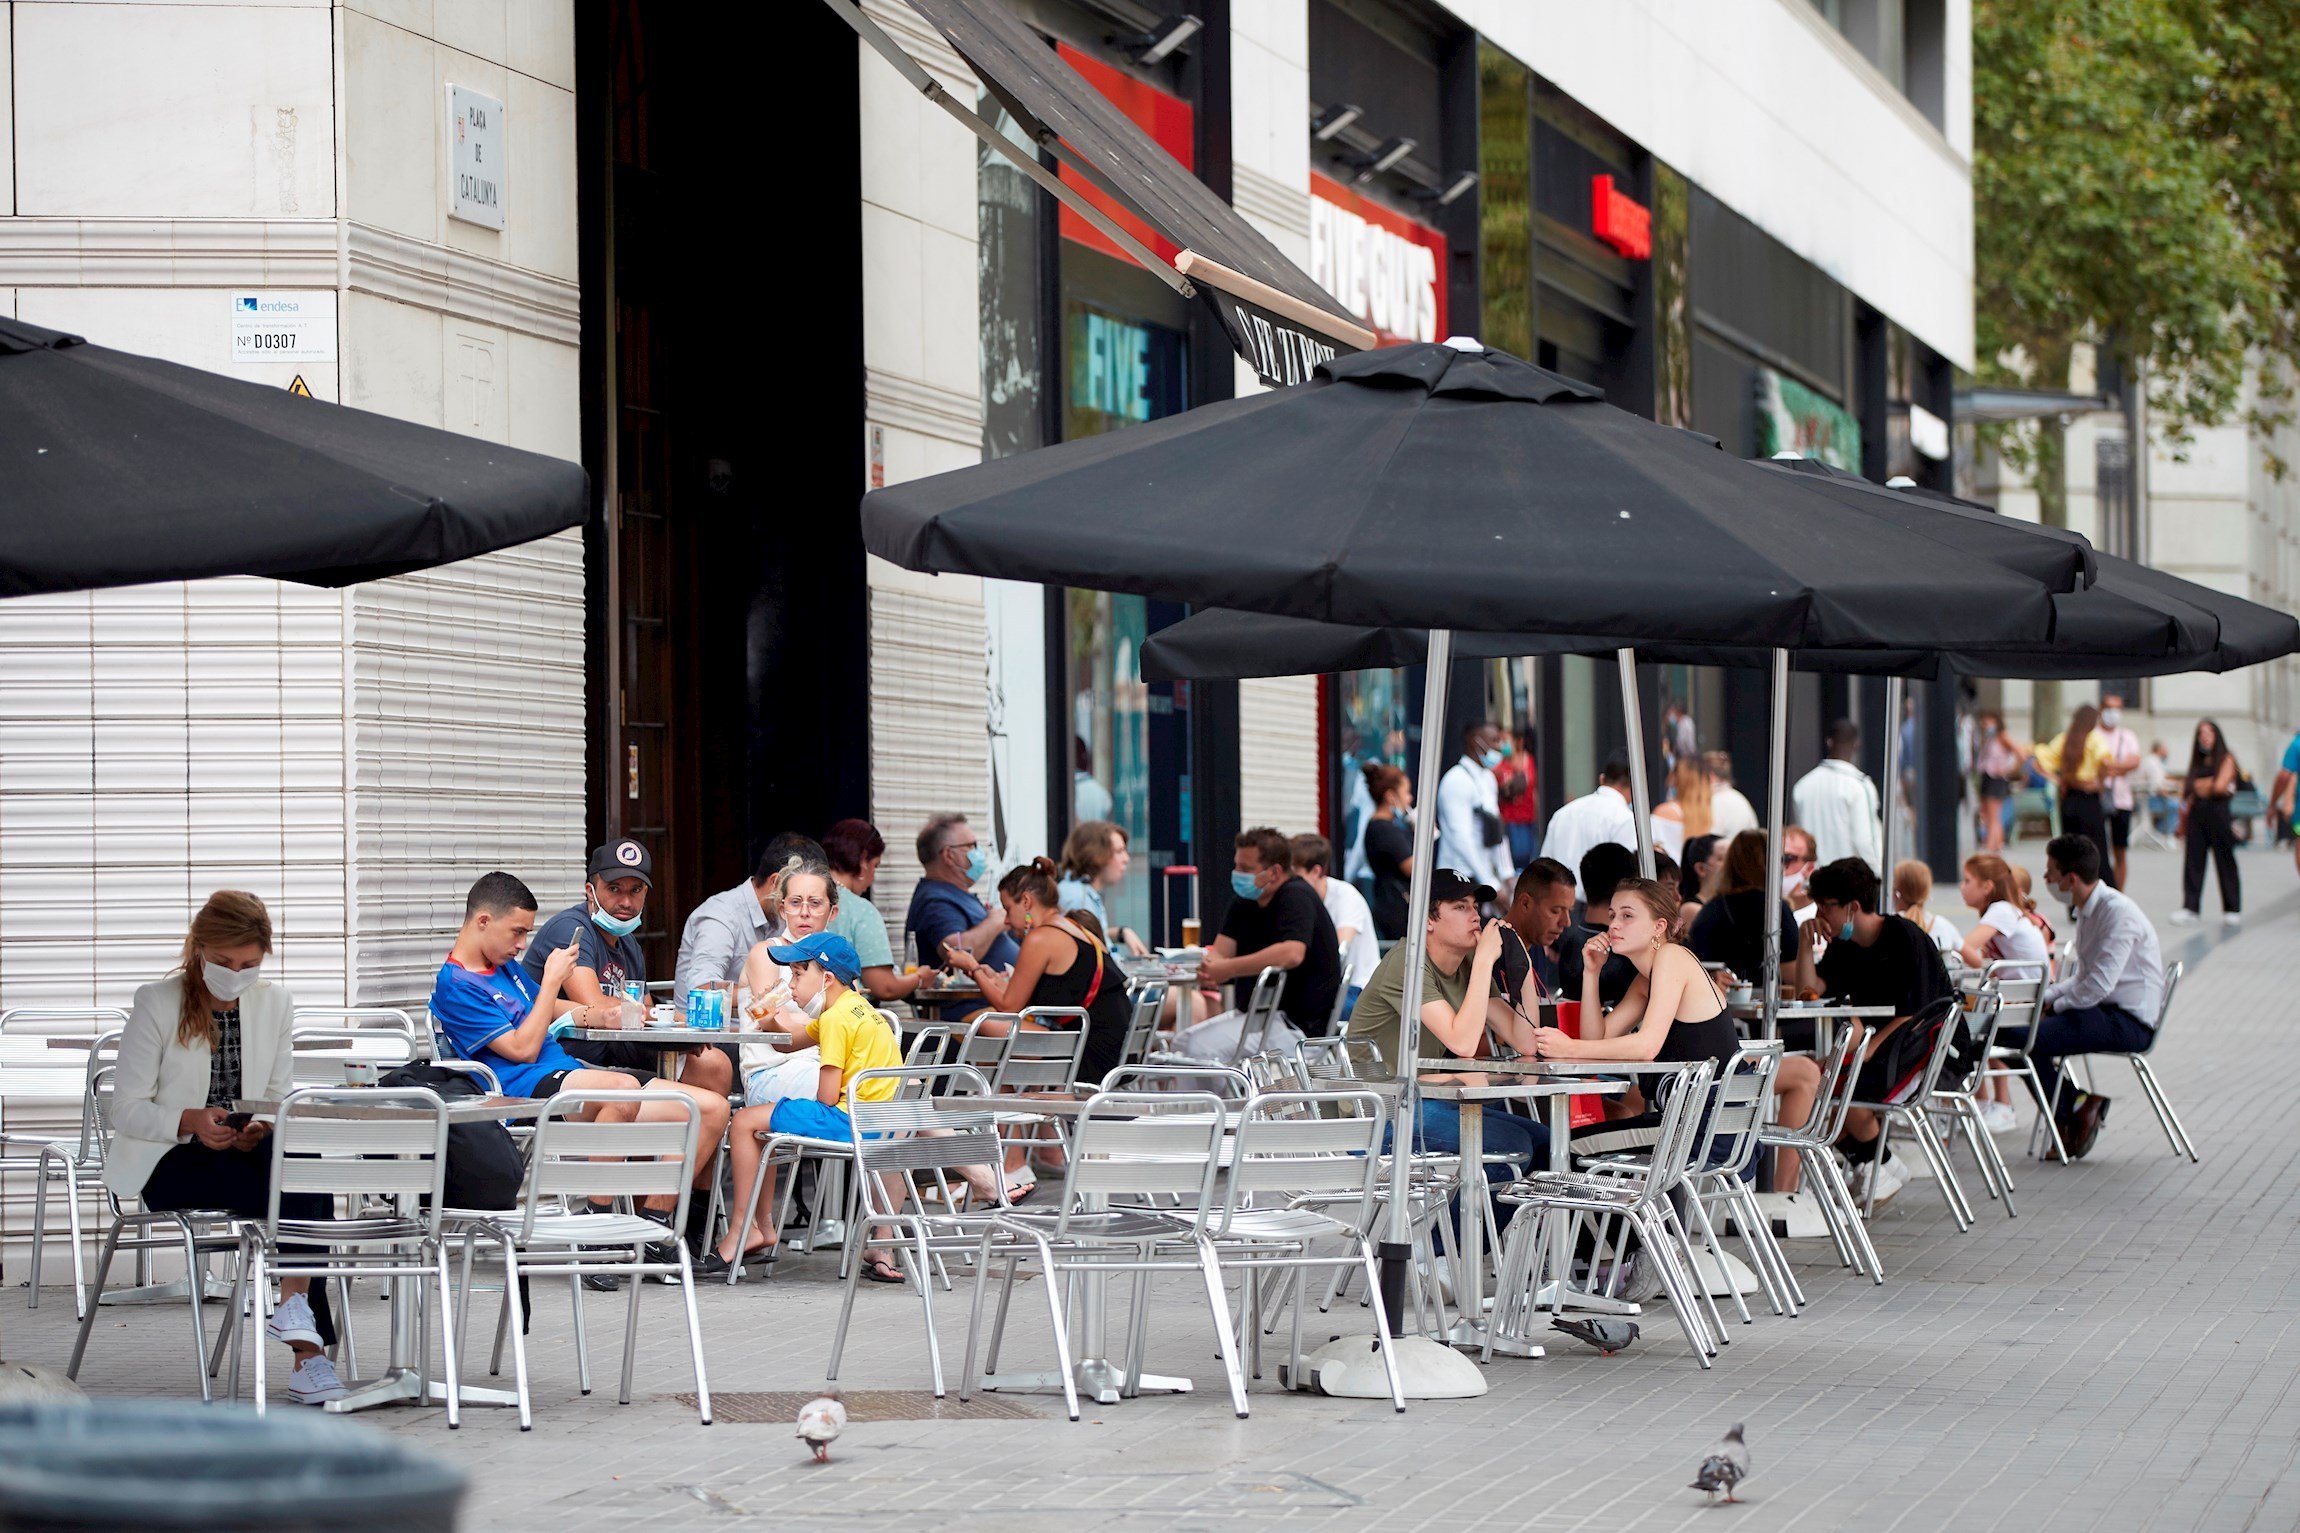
[1385, 268]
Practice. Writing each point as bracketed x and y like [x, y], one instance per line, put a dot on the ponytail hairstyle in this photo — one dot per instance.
[1035, 879]
[1659, 896]
[230, 918]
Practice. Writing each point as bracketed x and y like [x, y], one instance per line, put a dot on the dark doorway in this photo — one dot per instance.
[726, 653]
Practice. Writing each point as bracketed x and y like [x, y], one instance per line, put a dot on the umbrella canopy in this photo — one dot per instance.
[1433, 486]
[122, 469]
[2133, 621]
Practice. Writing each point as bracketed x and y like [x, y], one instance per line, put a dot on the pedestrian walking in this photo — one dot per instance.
[2077, 759]
[2206, 826]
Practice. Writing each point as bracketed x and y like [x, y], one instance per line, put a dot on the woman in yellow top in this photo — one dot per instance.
[2078, 760]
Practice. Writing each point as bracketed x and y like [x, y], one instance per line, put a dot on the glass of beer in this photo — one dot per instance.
[1190, 931]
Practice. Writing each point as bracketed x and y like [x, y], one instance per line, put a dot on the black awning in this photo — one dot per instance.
[1279, 320]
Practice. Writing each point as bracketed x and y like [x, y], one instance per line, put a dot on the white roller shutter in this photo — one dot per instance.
[1278, 752]
[929, 743]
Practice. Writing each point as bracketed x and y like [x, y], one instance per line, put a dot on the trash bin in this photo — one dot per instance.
[166, 1464]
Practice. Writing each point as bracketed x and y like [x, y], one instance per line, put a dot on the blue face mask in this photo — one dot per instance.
[612, 926]
[976, 865]
[1245, 886]
[1846, 931]
[1490, 760]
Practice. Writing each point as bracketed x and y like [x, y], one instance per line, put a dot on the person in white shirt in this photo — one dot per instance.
[1471, 838]
[1603, 814]
[1730, 811]
[2123, 761]
[1353, 918]
[1838, 804]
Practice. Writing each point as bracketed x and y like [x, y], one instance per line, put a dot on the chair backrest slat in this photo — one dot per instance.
[571, 1156]
[395, 1145]
[1146, 1144]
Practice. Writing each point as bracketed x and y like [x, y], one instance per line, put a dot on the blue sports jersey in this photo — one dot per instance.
[474, 1007]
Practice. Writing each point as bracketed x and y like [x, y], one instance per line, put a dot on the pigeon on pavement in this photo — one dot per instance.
[820, 1422]
[1725, 1468]
[1606, 1334]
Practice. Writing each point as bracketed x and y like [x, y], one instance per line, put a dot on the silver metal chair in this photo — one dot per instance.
[2019, 987]
[1911, 1105]
[898, 1142]
[1260, 1010]
[1129, 1149]
[1149, 1004]
[367, 1144]
[572, 1162]
[48, 1156]
[1305, 1167]
[75, 1160]
[1814, 1141]
[1955, 1098]
[389, 1019]
[1641, 1204]
[2166, 1118]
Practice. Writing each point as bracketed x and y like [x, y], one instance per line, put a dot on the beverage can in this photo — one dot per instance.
[635, 990]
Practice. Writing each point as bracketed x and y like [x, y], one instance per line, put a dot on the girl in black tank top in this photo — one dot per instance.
[1048, 937]
[1674, 1013]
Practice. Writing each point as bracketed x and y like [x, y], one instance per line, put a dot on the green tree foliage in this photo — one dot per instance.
[2133, 185]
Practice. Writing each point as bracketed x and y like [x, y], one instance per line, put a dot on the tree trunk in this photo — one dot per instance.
[2050, 474]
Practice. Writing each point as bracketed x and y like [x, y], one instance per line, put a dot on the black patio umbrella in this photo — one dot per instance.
[1425, 485]
[117, 469]
[2132, 621]
[1447, 487]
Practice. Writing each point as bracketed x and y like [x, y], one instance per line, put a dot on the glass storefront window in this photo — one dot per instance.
[1379, 719]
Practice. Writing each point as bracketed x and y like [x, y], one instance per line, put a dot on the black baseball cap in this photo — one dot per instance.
[623, 859]
[1446, 884]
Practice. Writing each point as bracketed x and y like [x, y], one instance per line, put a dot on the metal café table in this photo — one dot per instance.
[1096, 1375]
[405, 1379]
[1554, 1083]
[671, 1043]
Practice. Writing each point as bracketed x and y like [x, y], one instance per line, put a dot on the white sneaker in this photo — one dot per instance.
[1890, 1179]
[1999, 1117]
[2232, 920]
[2182, 918]
[314, 1381]
[292, 1322]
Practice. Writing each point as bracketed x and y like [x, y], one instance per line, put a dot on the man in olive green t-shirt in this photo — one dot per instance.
[1457, 1006]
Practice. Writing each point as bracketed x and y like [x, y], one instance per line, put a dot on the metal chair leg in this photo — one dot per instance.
[695, 1337]
[515, 1320]
[95, 1298]
[1232, 1364]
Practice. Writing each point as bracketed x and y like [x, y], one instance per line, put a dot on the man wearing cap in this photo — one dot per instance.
[603, 926]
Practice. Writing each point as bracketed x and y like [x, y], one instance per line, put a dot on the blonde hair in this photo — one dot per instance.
[230, 918]
[1689, 781]
[1659, 896]
[1912, 881]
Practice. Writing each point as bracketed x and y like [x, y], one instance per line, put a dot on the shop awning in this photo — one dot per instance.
[1275, 316]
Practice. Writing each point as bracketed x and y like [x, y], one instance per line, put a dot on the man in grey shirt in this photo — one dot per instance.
[2110, 1004]
[721, 931]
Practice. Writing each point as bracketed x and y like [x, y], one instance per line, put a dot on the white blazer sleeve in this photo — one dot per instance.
[135, 1107]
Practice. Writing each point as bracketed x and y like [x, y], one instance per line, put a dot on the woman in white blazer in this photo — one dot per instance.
[209, 1034]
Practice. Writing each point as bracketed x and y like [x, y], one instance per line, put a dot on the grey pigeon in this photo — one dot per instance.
[1603, 1332]
[1725, 1468]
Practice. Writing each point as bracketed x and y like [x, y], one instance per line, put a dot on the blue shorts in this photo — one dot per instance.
[810, 1119]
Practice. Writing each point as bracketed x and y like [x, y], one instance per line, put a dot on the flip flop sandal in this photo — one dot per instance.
[876, 1271]
[1020, 1193]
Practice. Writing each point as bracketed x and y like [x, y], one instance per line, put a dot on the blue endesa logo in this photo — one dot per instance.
[251, 304]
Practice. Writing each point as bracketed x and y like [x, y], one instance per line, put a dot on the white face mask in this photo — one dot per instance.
[229, 984]
[814, 1008]
[2112, 718]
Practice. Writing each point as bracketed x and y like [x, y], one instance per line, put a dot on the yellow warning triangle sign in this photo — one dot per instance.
[300, 387]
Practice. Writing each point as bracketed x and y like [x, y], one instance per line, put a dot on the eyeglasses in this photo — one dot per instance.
[805, 902]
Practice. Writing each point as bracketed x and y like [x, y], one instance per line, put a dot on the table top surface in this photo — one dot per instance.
[1803, 1010]
[661, 1037]
[1520, 1089]
[462, 1110]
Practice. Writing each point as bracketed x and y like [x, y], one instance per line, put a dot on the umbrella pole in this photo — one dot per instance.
[1776, 791]
[1427, 1368]
[1895, 689]
[1633, 726]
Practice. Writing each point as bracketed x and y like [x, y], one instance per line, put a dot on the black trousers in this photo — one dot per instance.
[2084, 814]
[2210, 829]
[238, 1182]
